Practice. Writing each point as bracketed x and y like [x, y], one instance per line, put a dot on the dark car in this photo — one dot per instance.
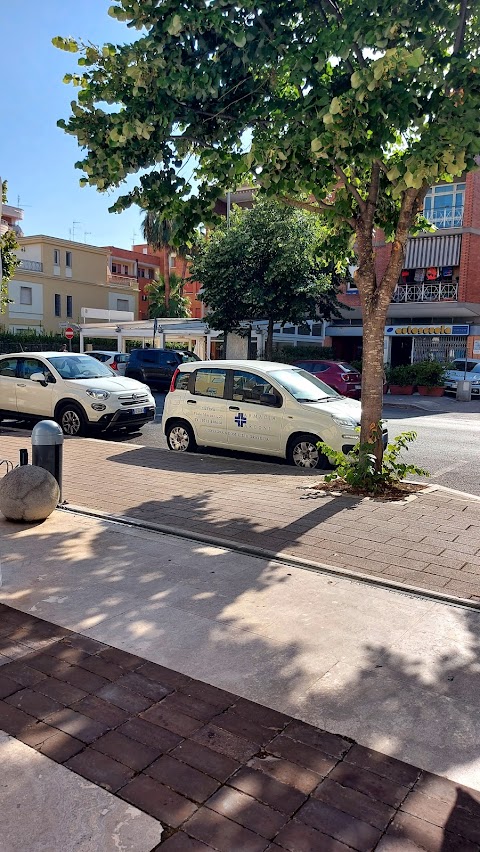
[336, 374]
[155, 367]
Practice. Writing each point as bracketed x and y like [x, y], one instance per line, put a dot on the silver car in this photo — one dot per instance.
[457, 374]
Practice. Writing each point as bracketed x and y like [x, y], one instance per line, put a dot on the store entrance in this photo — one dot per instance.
[401, 353]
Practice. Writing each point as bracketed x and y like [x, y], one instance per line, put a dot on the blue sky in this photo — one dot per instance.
[36, 157]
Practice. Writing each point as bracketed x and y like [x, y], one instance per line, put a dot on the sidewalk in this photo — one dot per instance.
[436, 405]
[242, 705]
[431, 542]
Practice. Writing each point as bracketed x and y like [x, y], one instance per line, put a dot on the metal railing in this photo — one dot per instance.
[434, 292]
[445, 217]
[31, 265]
[126, 281]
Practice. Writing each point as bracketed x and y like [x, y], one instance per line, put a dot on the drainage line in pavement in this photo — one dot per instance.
[286, 559]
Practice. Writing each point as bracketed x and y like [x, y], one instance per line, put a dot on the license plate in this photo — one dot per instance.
[139, 410]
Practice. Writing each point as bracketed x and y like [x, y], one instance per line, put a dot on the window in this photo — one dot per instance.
[210, 383]
[125, 269]
[29, 366]
[8, 367]
[58, 305]
[172, 260]
[181, 381]
[141, 273]
[115, 269]
[25, 295]
[69, 306]
[289, 329]
[248, 387]
[68, 259]
[56, 257]
[443, 205]
[122, 305]
[151, 274]
[303, 386]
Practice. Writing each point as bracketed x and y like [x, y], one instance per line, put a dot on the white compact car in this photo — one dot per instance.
[75, 390]
[259, 407]
[115, 360]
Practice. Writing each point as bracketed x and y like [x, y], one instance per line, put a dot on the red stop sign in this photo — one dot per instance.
[69, 333]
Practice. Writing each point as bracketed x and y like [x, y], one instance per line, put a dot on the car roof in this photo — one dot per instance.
[262, 366]
[104, 352]
[42, 354]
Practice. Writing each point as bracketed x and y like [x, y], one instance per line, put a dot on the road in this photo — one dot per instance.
[447, 443]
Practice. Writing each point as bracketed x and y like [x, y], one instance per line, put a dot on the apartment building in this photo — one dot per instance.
[57, 278]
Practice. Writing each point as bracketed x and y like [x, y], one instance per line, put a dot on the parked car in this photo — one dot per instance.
[345, 379]
[457, 374]
[115, 360]
[75, 390]
[261, 407]
[156, 367]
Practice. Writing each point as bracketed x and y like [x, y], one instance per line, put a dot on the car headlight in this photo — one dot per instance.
[344, 421]
[98, 394]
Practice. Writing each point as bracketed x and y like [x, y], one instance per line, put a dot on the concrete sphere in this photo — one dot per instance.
[28, 493]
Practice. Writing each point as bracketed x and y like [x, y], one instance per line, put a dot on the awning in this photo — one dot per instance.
[443, 250]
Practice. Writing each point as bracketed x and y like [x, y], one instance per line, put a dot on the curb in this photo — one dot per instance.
[284, 558]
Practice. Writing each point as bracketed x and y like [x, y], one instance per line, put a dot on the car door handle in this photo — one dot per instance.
[233, 408]
[191, 401]
[21, 385]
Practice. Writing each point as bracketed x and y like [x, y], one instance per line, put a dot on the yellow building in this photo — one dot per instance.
[57, 278]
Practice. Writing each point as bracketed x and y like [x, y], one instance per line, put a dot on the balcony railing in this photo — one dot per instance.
[445, 217]
[125, 281]
[31, 265]
[435, 292]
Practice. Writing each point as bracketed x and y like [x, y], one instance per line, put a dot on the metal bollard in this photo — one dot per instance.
[47, 449]
[464, 391]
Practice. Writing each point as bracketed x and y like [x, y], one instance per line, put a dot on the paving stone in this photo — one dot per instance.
[191, 706]
[102, 667]
[149, 734]
[158, 800]
[66, 652]
[225, 743]
[85, 643]
[459, 821]
[136, 682]
[60, 746]
[268, 790]
[373, 785]
[330, 744]
[238, 725]
[163, 676]
[223, 834]
[37, 733]
[288, 773]
[13, 720]
[181, 842]
[447, 791]
[121, 658]
[182, 778]
[48, 665]
[218, 766]
[65, 693]
[8, 686]
[130, 752]
[172, 719]
[210, 694]
[34, 703]
[354, 803]
[258, 713]
[339, 825]
[245, 810]
[100, 769]
[129, 701]
[101, 710]
[299, 837]
[22, 673]
[82, 679]
[77, 725]
[427, 836]
[305, 755]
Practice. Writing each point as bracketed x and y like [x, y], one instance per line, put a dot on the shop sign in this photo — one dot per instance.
[413, 330]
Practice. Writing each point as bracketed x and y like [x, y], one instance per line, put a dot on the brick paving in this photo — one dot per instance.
[218, 771]
[430, 543]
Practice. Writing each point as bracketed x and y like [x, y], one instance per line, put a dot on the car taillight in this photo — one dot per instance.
[114, 365]
[174, 377]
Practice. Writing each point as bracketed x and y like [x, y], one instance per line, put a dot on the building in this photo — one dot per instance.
[435, 311]
[9, 219]
[170, 261]
[57, 278]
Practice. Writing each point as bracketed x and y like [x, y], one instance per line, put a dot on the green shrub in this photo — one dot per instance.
[288, 354]
[359, 467]
[402, 375]
[430, 374]
[357, 365]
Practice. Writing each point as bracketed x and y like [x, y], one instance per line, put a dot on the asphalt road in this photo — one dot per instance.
[447, 445]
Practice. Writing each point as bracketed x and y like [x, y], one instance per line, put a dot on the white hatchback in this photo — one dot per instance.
[258, 407]
[76, 390]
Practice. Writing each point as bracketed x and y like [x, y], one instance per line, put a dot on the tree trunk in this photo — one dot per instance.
[269, 341]
[372, 378]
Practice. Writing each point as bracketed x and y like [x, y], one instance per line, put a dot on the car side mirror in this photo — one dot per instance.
[38, 377]
[270, 399]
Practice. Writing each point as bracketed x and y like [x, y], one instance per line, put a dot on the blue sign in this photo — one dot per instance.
[240, 420]
[460, 329]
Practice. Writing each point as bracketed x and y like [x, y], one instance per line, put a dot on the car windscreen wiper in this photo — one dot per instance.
[321, 399]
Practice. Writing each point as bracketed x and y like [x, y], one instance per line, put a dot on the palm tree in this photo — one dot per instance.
[158, 234]
[178, 305]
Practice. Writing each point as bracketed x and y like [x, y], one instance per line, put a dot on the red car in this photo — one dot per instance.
[336, 374]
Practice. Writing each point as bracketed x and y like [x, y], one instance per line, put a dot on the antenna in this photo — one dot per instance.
[19, 203]
[86, 234]
[134, 237]
[74, 224]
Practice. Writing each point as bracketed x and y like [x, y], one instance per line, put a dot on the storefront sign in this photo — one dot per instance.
[476, 347]
[409, 330]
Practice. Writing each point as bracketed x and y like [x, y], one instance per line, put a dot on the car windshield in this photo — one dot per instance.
[460, 366]
[80, 367]
[188, 356]
[303, 386]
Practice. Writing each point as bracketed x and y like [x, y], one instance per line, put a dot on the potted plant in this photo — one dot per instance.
[401, 379]
[430, 378]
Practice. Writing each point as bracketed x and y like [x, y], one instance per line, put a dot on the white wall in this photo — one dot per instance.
[112, 302]
[25, 312]
[31, 252]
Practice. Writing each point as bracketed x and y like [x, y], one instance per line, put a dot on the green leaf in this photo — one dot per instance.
[356, 80]
[335, 106]
[240, 39]
[393, 174]
[175, 26]
[316, 144]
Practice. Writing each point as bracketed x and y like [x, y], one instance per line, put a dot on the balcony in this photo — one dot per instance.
[445, 217]
[126, 282]
[434, 292]
[31, 265]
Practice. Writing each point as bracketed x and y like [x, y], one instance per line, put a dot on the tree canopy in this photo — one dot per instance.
[270, 263]
[177, 305]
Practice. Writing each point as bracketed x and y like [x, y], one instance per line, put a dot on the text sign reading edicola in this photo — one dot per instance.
[409, 330]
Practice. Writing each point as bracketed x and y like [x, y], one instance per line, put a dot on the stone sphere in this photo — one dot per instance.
[28, 493]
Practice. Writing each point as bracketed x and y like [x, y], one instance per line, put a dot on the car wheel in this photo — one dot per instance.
[303, 452]
[72, 420]
[180, 437]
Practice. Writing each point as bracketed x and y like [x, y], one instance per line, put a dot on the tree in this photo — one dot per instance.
[357, 105]
[267, 265]
[178, 304]
[8, 258]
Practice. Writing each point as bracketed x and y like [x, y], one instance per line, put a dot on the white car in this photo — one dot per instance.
[259, 407]
[75, 390]
[115, 360]
[457, 374]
